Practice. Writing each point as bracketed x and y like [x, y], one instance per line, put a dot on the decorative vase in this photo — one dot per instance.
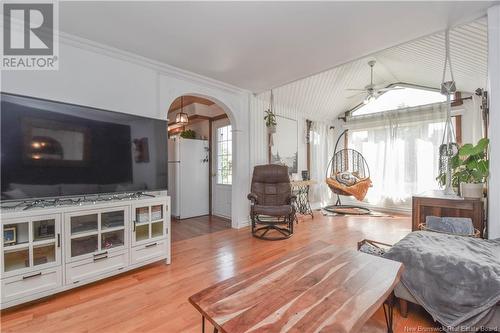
[471, 190]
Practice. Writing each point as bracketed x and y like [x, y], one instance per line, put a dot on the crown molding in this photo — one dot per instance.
[159, 67]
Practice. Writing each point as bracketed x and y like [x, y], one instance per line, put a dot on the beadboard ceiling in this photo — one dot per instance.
[260, 45]
[420, 62]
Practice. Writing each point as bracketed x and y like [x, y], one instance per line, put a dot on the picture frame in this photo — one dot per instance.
[10, 235]
[141, 150]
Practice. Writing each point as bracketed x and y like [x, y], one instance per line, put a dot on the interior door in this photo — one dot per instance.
[222, 168]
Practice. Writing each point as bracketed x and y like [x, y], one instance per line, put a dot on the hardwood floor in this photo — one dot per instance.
[155, 298]
[198, 226]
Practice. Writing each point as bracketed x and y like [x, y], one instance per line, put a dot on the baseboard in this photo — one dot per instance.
[243, 224]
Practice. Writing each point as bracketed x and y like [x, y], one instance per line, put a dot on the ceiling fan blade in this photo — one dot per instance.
[356, 89]
[358, 94]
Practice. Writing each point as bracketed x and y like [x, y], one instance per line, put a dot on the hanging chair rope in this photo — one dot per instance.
[449, 147]
[447, 59]
[271, 108]
[448, 87]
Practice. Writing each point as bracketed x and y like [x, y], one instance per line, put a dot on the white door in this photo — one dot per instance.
[193, 178]
[222, 159]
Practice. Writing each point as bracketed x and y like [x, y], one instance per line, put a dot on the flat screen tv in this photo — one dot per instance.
[53, 149]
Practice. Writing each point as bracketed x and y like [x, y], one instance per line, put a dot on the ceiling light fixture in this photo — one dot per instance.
[370, 98]
[182, 118]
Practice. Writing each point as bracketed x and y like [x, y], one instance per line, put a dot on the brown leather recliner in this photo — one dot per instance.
[272, 210]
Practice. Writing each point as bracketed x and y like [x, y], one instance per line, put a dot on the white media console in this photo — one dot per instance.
[46, 250]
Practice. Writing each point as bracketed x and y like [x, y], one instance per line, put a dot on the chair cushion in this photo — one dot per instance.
[346, 178]
[273, 210]
[357, 190]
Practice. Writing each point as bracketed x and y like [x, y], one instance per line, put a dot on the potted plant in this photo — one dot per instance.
[471, 169]
[188, 134]
[270, 119]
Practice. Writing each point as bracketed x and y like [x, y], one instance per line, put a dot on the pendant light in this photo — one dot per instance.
[181, 118]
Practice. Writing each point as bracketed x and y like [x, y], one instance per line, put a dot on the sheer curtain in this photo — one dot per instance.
[321, 151]
[402, 151]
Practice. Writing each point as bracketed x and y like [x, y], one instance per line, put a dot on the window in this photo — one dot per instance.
[403, 97]
[403, 159]
[224, 155]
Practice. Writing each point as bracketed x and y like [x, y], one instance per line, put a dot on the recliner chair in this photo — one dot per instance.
[272, 210]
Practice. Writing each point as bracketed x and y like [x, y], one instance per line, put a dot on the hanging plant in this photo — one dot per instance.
[270, 119]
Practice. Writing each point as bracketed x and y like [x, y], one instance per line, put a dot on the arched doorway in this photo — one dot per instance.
[200, 166]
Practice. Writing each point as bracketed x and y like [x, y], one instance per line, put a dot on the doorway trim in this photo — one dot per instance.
[237, 161]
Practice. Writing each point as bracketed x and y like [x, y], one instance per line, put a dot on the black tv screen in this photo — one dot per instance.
[51, 149]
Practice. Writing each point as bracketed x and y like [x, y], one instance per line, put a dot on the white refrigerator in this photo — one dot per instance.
[188, 174]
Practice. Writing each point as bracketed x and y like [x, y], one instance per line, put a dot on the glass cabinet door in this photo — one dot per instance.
[156, 213]
[84, 245]
[149, 223]
[93, 232]
[16, 234]
[84, 234]
[46, 240]
[112, 239]
[15, 259]
[83, 224]
[44, 253]
[30, 243]
[112, 229]
[142, 214]
[110, 220]
[141, 223]
[44, 230]
[157, 229]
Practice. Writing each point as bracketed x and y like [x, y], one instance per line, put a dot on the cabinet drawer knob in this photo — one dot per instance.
[32, 276]
[151, 245]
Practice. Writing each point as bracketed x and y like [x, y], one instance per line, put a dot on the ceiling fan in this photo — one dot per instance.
[371, 90]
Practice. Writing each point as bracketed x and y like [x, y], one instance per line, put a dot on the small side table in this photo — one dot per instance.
[301, 190]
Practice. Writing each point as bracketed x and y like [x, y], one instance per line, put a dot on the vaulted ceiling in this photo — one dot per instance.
[260, 45]
[420, 62]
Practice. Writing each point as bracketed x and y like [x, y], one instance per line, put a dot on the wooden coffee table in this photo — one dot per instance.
[319, 288]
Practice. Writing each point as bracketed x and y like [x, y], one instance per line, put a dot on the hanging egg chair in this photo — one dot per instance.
[348, 174]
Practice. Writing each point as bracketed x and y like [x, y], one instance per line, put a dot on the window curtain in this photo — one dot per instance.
[402, 151]
[321, 151]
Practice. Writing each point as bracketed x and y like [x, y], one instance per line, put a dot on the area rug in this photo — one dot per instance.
[371, 214]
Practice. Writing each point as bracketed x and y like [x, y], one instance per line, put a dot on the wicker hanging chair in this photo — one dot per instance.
[348, 174]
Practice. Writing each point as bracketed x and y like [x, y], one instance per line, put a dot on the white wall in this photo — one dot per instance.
[258, 131]
[494, 130]
[95, 75]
